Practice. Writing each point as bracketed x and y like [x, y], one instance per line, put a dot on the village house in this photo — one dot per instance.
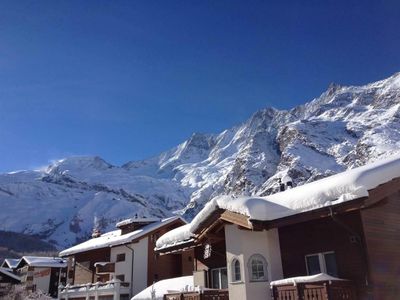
[335, 238]
[121, 263]
[10, 263]
[42, 273]
[7, 280]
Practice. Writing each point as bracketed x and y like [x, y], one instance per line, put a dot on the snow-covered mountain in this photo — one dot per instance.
[343, 128]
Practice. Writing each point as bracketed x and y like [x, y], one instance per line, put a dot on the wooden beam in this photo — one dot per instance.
[236, 218]
[311, 215]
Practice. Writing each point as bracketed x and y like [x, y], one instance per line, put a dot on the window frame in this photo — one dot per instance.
[119, 256]
[233, 270]
[321, 261]
[219, 270]
[265, 268]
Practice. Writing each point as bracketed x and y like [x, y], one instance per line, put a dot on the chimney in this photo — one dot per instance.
[132, 224]
[96, 228]
[285, 183]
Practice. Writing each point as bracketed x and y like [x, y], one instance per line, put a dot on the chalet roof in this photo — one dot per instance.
[10, 263]
[136, 220]
[8, 273]
[44, 262]
[115, 238]
[340, 188]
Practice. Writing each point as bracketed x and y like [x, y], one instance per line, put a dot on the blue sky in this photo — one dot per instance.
[128, 79]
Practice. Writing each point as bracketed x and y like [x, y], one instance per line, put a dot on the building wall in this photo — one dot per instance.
[242, 244]
[325, 235]
[83, 267]
[139, 263]
[41, 278]
[167, 266]
[382, 237]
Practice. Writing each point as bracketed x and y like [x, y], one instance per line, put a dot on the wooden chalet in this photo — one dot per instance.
[7, 280]
[42, 273]
[119, 264]
[346, 226]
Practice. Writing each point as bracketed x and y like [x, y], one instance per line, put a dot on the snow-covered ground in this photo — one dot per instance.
[166, 286]
[343, 128]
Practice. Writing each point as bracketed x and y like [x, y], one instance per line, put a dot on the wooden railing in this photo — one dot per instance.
[105, 268]
[323, 290]
[202, 295]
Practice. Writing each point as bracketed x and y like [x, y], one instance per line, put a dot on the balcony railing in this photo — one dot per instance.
[321, 290]
[104, 267]
[200, 295]
[113, 288]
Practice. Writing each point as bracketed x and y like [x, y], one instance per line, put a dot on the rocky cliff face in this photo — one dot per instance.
[343, 128]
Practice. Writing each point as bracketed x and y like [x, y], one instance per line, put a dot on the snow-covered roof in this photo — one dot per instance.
[8, 273]
[173, 285]
[339, 188]
[305, 279]
[136, 220]
[49, 262]
[114, 238]
[10, 263]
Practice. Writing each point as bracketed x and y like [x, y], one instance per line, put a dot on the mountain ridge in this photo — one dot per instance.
[345, 127]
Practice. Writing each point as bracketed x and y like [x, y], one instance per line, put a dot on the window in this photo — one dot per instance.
[120, 277]
[219, 278]
[121, 257]
[257, 266]
[236, 275]
[322, 263]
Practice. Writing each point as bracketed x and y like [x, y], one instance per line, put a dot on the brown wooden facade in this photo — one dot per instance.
[364, 235]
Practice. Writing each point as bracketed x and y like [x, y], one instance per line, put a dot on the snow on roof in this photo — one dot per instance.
[175, 237]
[9, 274]
[114, 238]
[11, 262]
[305, 279]
[49, 262]
[172, 285]
[339, 188]
[136, 220]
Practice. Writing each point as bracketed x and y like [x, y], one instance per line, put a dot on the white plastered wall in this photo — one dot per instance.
[41, 278]
[139, 264]
[242, 244]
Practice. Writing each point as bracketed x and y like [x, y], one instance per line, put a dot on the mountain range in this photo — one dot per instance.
[345, 127]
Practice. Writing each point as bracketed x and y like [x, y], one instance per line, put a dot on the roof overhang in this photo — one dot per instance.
[220, 217]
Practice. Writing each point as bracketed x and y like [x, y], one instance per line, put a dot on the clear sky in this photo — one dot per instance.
[126, 80]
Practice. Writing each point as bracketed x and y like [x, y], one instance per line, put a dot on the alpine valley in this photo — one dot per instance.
[343, 128]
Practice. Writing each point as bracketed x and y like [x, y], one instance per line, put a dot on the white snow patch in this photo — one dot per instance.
[173, 285]
[305, 279]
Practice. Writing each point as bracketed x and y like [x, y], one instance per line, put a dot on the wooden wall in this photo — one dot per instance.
[323, 235]
[84, 264]
[170, 265]
[382, 236]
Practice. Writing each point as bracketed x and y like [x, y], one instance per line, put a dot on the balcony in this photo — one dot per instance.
[200, 295]
[316, 287]
[104, 267]
[114, 288]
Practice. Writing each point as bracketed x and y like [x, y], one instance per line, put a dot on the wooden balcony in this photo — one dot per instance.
[104, 267]
[203, 295]
[322, 290]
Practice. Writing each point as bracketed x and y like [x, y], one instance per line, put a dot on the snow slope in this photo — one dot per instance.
[343, 128]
